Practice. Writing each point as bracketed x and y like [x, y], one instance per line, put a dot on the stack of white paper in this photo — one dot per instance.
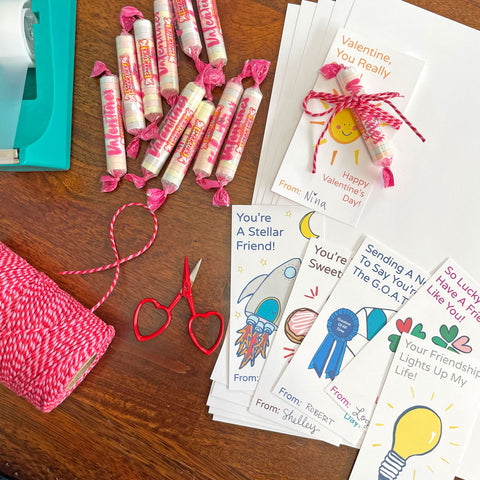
[383, 356]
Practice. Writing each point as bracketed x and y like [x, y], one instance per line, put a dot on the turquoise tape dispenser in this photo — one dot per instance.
[37, 46]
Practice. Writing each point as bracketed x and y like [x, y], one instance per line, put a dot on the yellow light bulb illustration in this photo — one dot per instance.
[417, 431]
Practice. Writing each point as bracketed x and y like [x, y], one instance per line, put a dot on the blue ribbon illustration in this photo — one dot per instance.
[342, 326]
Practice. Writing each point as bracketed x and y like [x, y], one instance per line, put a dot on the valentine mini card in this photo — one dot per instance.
[321, 269]
[268, 244]
[345, 173]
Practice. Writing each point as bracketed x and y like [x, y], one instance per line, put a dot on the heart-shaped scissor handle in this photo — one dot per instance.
[140, 337]
[206, 351]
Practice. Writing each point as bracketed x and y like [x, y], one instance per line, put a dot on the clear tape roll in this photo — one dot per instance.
[16, 34]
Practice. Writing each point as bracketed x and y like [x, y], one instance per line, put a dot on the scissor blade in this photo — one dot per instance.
[193, 273]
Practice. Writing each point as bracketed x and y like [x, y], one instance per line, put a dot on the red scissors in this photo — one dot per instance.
[185, 291]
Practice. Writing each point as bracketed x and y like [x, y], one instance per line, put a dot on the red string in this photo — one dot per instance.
[46, 336]
[118, 260]
[363, 107]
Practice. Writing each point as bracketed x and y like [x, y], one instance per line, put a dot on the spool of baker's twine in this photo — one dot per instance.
[49, 342]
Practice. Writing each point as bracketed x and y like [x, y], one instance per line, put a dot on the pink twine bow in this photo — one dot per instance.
[363, 107]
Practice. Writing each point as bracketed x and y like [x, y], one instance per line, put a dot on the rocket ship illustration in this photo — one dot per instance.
[268, 294]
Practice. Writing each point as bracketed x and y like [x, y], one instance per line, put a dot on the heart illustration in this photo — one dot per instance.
[158, 306]
[206, 351]
[449, 334]
[461, 344]
[418, 332]
[439, 341]
[404, 326]
[394, 339]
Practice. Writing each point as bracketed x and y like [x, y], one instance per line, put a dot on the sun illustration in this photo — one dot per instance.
[343, 128]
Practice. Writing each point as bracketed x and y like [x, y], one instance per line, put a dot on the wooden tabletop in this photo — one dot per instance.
[141, 413]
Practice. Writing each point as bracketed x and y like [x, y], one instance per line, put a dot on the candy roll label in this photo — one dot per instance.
[239, 133]
[112, 123]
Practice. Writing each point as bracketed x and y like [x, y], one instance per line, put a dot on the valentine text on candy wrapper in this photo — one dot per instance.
[210, 22]
[165, 54]
[113, 132]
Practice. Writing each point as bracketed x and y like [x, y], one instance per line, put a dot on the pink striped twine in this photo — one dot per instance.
[118, 260]
[48, 341]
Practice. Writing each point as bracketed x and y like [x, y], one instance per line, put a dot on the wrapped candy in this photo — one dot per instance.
[238, 135]
[112, 126]
[174, 124]
[219, 125]
[212, 32]
[187, 28]
[147, 59]
[367, 115]
[183, 155]
[166, 51]
[128, 74]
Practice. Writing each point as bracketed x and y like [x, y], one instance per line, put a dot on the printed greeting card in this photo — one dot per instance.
[445, 313]
[345, 173]
[322, 267]
[424, 415]
[373, 287]
[268, 244]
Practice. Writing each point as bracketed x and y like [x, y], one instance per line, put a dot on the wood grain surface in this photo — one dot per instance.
[141, 412]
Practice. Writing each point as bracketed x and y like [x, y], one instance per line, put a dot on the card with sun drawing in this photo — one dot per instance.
[268, 244]
[424, 416]
[345, 173]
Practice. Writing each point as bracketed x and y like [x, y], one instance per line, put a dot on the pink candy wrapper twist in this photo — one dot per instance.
[112, 127]
[367, 115]
[238, 135]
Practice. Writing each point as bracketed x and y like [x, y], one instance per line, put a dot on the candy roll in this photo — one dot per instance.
[129, 84]
[219, 125]
[147, 59]
[112, 126]
[166, 51]
[238, 134]
[373, 134]
[183, 155]
[187, 28]
[212, 32]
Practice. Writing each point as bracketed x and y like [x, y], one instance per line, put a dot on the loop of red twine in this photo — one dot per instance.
[118, 260]
[363, 107]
